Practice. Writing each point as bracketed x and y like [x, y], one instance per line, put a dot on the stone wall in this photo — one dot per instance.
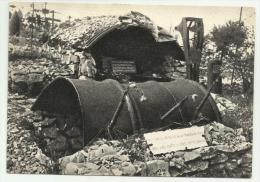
[228, 154]
[30, 76]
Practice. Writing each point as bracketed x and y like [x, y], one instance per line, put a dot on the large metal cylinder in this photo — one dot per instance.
[97, 102]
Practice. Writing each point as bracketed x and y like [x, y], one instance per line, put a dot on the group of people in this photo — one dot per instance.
[84, 65]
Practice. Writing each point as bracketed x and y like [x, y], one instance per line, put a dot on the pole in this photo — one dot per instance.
[201, 104]
[174, 108]
[45, 16]
[32, 26]
[116, 114]
[69, 19]
[52, 21]
[233, 71]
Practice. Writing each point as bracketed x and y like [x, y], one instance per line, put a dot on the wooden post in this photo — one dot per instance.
[214, 74]
[234, 65]
[45, 20]
[192, 45]
[52, 21]
[32, 26]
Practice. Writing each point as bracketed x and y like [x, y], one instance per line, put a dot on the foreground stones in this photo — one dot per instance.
[228, 155]
[27, 78]
[23, 154]
[58, 135]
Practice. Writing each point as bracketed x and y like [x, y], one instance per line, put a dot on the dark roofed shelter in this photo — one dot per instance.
[129, 39]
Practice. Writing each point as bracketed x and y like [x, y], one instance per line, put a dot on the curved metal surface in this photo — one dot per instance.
[183, 87]
[96, 102]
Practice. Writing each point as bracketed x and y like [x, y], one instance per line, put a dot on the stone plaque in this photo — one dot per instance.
[174, 140]
[123, 67]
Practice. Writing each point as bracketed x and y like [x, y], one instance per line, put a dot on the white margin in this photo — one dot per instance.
[4, 177]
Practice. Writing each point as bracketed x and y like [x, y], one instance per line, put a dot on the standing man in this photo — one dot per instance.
[87, 66]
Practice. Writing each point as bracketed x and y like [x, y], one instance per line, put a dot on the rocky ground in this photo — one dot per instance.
[26, 78]
[228, 154]
[23, 153]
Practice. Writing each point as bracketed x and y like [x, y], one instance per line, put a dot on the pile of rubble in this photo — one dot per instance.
[23, 153]
[21, 49]
[174, 69]
[228, 154]
[224, 105]
[82, 32]
[30, 76]
[58, 135]
[236, 115]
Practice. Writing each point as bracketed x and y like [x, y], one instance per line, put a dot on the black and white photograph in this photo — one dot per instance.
[119, 89]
